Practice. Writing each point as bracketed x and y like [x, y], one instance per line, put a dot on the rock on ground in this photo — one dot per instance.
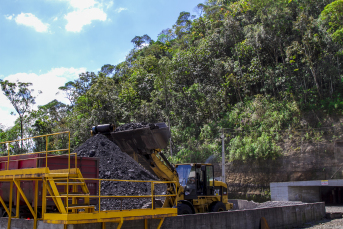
[132, 126]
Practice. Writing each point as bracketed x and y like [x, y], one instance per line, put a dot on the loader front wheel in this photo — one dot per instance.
[217, 206]
[183, 209]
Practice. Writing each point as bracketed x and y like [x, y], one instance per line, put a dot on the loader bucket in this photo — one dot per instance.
[142, 140]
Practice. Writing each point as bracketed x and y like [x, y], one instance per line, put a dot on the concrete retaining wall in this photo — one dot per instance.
[277, 217]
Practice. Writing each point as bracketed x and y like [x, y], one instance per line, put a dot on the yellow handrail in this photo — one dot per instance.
[99, 196]
[46, 150]
[39, 136]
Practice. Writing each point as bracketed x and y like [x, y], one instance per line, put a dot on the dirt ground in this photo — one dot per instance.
[327, 223]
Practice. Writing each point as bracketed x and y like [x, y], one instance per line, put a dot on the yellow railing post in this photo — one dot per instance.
[69, 153]
[75, 160]
[160, 224]
[17, 205]
[43, 198]
[145, 223]
[8, 156]
[152, 195]
[10, 205]
[67, 192]
[99, 194]
[46, 150]
[36, 197]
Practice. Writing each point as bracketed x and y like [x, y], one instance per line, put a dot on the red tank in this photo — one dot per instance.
[89, 167]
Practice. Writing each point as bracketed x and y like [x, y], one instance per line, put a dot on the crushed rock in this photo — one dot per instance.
[115, 164]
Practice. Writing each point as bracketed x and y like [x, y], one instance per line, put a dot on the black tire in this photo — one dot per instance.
[184, 209]
[217, 206]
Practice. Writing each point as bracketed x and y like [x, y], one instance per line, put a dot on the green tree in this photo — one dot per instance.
[20, 95]
[332, 18]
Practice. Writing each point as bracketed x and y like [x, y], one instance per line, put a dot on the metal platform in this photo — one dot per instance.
[73, 204]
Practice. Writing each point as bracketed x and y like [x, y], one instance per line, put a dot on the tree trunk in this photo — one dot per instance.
[339, 70]
[315, 80]
[21, 131]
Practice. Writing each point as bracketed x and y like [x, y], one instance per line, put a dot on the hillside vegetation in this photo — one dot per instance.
[251, 66]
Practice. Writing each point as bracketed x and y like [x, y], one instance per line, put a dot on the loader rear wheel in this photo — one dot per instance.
[183, 209]
[217, 206]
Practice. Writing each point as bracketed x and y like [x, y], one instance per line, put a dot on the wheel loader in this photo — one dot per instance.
[194, 185]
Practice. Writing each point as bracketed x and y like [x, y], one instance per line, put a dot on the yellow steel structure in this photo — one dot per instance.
[70, 210]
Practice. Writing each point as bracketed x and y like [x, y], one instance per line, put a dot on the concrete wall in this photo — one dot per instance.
[305, 191]
[277, 217]
[304, 194]
[300, 161]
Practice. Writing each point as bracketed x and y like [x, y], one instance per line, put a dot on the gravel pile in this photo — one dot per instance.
[133, 126]
[330, 209]
[270, 204]
[115, 164]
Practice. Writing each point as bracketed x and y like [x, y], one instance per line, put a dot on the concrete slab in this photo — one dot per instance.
[277, 217]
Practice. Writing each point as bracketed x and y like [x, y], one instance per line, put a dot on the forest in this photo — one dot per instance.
[249, 67]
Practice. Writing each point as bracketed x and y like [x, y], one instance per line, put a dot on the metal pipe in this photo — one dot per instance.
[35, 205]
[152, 195]
[44, 198]
[10, 206]
[46, 151]
[40, 136]
[99, 194]
[8, 156]
[223, 156]
[160, 224]
[69, 154]
[17, 204]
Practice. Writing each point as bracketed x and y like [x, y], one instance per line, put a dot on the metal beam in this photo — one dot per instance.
[10, 206]
[43, 198]
[17, 204]
[17, 183]
[58, 199]
[120, 223]
[160, 224]
[51, 193]
[4, 205]
[223, 157]
[35, 205]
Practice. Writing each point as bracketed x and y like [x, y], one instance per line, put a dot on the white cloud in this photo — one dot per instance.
[79, 18]
[120, 9]
[7, 119]
[81, 4]
[56, 18]
[48, 83]
[85, 12]
[31, 20]
[9, 17]
[109, 5]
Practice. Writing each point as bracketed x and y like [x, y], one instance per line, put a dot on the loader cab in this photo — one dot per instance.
[196, 179]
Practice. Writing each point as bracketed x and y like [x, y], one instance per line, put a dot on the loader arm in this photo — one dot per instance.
[166, 172]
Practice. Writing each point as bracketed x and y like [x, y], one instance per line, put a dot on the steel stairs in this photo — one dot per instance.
[69, 191]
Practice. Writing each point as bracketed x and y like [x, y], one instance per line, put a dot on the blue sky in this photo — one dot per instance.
[49, 42]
